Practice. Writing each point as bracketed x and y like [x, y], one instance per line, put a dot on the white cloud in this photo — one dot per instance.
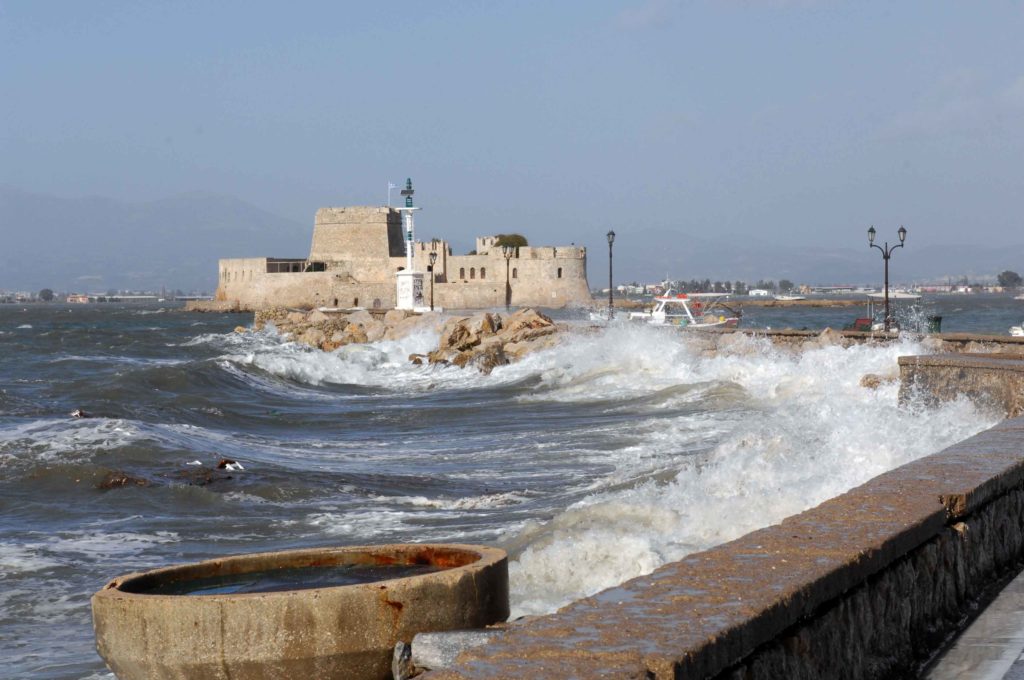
[959, 105]
[649, 14]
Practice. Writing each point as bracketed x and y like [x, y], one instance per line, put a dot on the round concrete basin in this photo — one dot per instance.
[281, 615]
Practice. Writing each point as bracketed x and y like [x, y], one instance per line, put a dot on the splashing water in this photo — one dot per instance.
[591, 462]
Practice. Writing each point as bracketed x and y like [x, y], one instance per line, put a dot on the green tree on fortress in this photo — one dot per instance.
[515, 240]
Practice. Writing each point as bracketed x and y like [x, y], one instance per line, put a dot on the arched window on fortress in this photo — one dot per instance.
[462, 272]
[472, 272]
[515, 272]
[483, 272]
[559, 272]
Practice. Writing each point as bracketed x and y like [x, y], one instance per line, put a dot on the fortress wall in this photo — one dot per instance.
[866, 585]
[362, 250]
[306, 290]
[235, 276]
[535, 280]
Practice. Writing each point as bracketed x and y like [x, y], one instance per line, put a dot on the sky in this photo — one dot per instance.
[777, 122]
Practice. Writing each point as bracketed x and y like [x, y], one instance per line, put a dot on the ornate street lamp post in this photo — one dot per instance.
[430, 270]
[886, 254]
[611, 240]
[508, 252]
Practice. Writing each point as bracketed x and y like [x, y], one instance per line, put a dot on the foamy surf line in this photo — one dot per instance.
[814, 433]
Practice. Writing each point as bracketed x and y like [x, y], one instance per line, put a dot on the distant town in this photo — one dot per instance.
[49, 295]
[1005, 282]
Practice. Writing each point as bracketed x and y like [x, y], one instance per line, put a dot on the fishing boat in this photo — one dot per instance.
[1017, 331]
[790, 298]
[693, 311]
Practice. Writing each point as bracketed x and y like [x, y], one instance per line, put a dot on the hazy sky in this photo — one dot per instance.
[780, 121]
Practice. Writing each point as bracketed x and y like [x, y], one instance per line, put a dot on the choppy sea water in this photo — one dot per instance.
[591, 463]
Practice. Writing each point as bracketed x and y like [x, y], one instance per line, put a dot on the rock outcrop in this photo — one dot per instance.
[483, 341]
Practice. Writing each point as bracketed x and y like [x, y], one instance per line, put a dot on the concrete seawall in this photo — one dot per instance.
[866, 585]
[996, 378]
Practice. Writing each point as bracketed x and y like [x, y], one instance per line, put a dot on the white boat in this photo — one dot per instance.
[790, 298]
[694, 311]
[1019, 297]
[1017, 331]
[895, 295]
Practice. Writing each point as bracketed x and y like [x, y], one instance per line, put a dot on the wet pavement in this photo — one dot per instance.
[992, 647]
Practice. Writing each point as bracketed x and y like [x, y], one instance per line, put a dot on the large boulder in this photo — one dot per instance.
[316, 317]
[489, 357]
[455, 334]
[462, 333]
[395, 316]
[413, 323]
[526, 318]
[314, 337]
[355, 332]
[362, 316]
[374, 330]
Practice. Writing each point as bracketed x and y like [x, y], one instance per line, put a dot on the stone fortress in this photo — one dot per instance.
[358, 251]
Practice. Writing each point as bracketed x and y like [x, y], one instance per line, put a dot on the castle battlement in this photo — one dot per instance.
[357, 251]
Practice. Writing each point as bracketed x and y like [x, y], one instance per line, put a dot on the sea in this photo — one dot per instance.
[620, 449]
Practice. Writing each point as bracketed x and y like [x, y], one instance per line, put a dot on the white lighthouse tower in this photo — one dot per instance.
[409, 281]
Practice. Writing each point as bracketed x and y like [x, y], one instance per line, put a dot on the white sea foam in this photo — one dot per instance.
[710, 444]
[126, 360]
[70, 548]
[64, 440]
[16, 558]
[25, 327]
[808, 432]
[365, 524]
[379, 364]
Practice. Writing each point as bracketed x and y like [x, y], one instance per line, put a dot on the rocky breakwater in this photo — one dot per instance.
[483, 341]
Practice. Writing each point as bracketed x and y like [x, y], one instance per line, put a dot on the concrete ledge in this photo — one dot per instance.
[864, 585]
[996, 378]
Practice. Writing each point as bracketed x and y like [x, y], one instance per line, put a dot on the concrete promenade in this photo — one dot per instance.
[992, 647]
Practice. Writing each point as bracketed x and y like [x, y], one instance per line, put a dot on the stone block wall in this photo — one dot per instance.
[995, 378]
[866, 585]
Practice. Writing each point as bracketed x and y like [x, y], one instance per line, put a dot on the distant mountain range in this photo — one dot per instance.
[97, 244]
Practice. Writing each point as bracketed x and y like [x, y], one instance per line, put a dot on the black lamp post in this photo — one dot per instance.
[430, 270]
[886, 254]
[611, 240]
[508, 252]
